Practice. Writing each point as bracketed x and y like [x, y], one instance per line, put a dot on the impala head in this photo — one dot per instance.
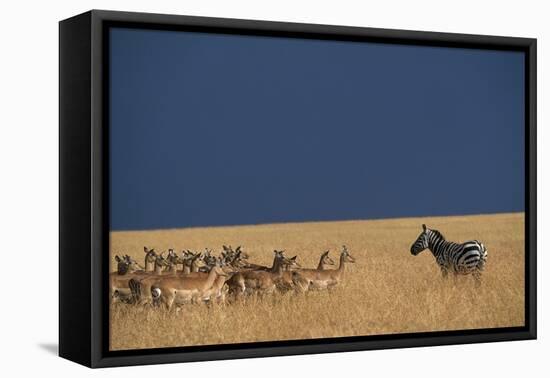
[188, 257]
[133, 265]
[291, 263]
[199, 261]
[161, 261]
[346, 255]
[173, 257]
[227, 252]
[237, 262]
[122, 265]
[171, 254]
[242, 253]
[150, 255]
[326, 260]
[126, 264]
[422, 242]
[228, 267]
[208, 258]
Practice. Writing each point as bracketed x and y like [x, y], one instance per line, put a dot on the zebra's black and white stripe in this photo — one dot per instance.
[465, 258]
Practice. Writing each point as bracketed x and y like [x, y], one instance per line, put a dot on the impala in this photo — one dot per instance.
[174, 260]
[325, 261]
[150, 256]
[219, 289]
[129, 269]
[239, 262]
[208, 259]
[285, 281]
[140, 286]
[229, 254]
[118, 281]
[171, 291]
[194, 263]
[317, 279]
[260, 281]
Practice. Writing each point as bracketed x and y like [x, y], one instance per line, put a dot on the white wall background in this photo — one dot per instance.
[29, 182]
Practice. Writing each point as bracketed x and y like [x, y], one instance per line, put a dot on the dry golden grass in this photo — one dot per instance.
[387, 291]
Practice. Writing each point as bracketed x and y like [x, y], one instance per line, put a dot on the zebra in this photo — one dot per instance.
[466, 258]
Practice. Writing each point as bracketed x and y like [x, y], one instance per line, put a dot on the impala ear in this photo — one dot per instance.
[424, 227]
[117, 258]
[145, 249]
[293, 258]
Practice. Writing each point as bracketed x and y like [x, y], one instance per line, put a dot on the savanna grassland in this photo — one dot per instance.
[386, 291]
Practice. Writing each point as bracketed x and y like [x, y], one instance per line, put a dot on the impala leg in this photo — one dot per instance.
[114, 296]
[242, 286]
[168, 300]
[121, 296]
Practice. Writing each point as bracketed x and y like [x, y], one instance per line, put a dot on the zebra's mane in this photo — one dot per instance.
[438, 234]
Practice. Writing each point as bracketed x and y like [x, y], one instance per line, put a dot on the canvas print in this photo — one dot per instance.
[268, 188]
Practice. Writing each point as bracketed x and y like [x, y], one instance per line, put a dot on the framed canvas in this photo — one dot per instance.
[234, 188]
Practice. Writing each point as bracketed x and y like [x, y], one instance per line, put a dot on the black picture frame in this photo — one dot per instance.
[84, 200]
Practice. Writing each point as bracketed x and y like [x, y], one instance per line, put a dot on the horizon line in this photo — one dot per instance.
[316, 221]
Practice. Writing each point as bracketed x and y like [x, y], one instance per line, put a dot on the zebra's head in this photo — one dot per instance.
[421, 242]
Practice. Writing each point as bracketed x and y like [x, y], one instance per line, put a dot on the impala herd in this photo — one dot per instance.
[197, 277]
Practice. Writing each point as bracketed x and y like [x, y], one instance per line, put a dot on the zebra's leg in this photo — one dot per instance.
[477, 277]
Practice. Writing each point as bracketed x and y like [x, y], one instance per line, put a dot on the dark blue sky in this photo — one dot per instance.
[213, 129]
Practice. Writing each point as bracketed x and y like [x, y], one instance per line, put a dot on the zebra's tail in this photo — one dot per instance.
[483, 256]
